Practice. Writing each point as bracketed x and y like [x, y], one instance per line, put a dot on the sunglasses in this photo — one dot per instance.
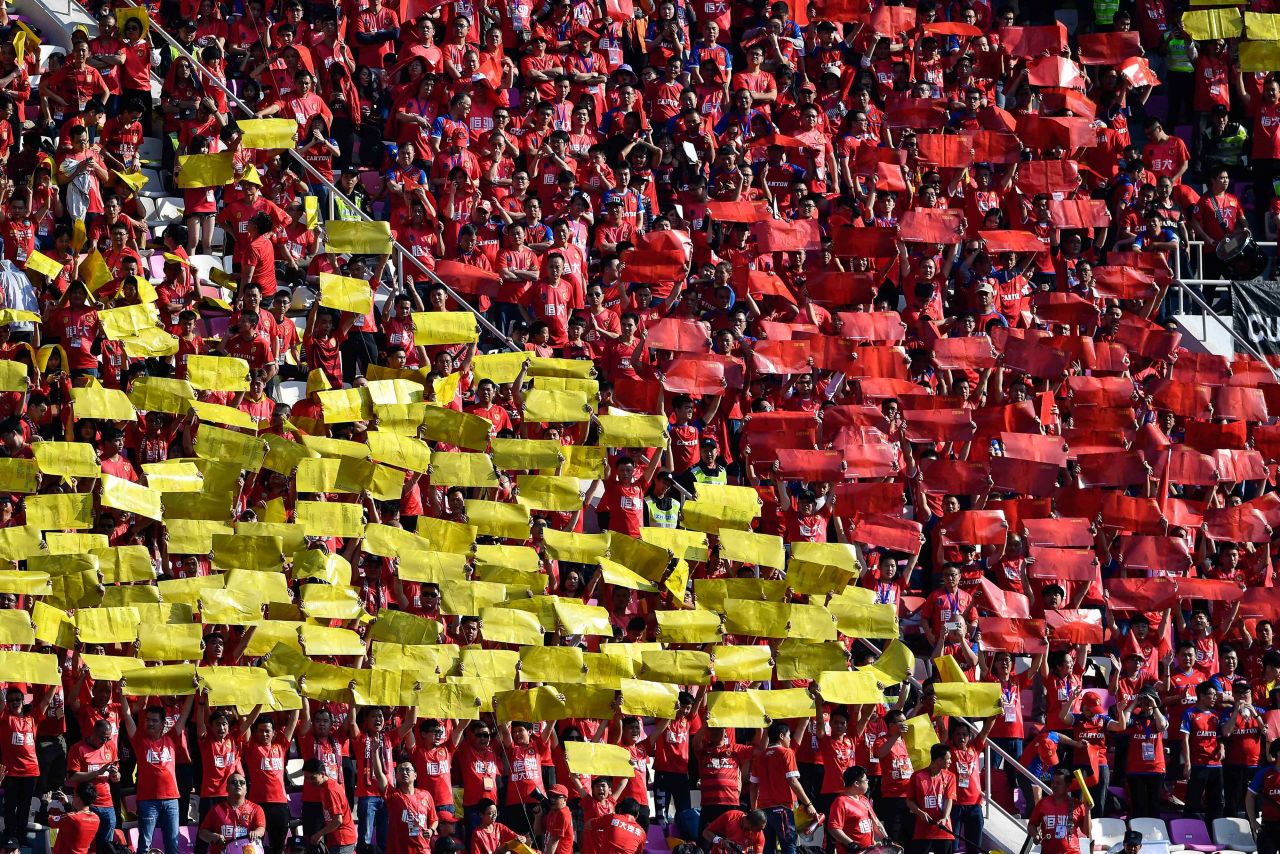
[483, 735]
[236, 783]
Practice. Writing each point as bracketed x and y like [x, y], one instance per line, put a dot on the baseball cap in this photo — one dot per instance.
[446, 816]
[985, 287]
[558, 789]
[458, 135]
[1132, 837]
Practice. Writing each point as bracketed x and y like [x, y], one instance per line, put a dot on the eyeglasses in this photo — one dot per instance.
[236, 783]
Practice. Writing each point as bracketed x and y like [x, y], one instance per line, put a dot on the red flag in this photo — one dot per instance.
[781, 357]
[787, 235]
[872, 326]
[1010, 240]
[875, 242]
[1108, 48]
[945, 151]
[1068, 564]
[839, 288]
[467, 279]
[679, 335]
[997, 147]
[811, 465]
[1031, 42]
[973, 354]
[887, 531]
[866, 498]
[954, 477]
[738, 211]
[932, 226]
[1141, 594]
[1080, 213]
[1048, 176]
[1062, 533]
[975, 527]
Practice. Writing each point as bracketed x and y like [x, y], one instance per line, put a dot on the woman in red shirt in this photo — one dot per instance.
[18, 750]
[1145, 765]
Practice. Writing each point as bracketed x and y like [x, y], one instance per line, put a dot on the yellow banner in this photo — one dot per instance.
[131, 497]
[459, 469]
[742, 663]
[457, 428]
[204, 170]
[598, 760]
[649, 699]
[58, 512]
[689, 627]
[268, 133]
[170, 643]
[1207, 24]
[19, 475]
[66, 459]
[542, 406]
[360, 238]
[677, 666]
[218, 373]
[758, 549]
[434, 328]
[31, 667]
[1260, 55]
[345, 293]
[120, 323]
[578, 548]
[399, 451]
[976, 700]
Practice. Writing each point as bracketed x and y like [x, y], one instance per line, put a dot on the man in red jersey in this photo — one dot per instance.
[1059, 821]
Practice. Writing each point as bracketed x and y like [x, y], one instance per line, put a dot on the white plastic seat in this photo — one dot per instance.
[1154, 830]
[167, 209]
[1234, 833]
[154, 186]
[1107, 832]
[151, 149]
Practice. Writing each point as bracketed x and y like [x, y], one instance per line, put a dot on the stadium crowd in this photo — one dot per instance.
[801, 430]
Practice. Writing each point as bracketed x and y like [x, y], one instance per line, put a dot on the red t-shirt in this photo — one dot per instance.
[772, 774]
[219, 760]
[408, 815]
[729, 826]
[1201, 728]
[852, 815]
[76, 831]
[488, 840]
[895, 773]
[930, 791]
[1060, 822]
[82, 757]
[524, 772]
[616, 834]
[966, 764]
[720, 773]
[232, 822]
[557, 828]
[333, 803]
[264, 765]
[837, 755]
[19, 743]
[328, 751]
[433, 766]
[479, 773]
[157, 766]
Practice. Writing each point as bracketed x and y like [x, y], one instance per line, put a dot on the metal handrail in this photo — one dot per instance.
[1209, 312]
[400, 251]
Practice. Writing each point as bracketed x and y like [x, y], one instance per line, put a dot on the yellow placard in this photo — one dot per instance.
[460, 469]
[268, 133]
[360, 238]
[598, 760]
[850, 688]
[34, 668]
[400, 451]
[1207, 24]
[649, 699]
[578, 548]
[131, 497]
[205, 170]
[170, 643]
[13, 376]
[457, 428]
[747, 547]
[59, 512]
[689, 627]
[968, 700]
[1260, 55]
[434, 328]
[218, 373]
[345, 293]
[66, 459]
[44, 265]
[19, 475]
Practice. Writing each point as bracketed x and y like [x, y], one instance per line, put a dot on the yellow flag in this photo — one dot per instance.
[519, 558]
[949, 669]
[107, 625]
[193, 536]
[131, 497]
[741, 497]
[173, 476]
[582, 462]
[127, 320]
[34, 668]
[236, 686]
[135, 180]
[401, 451]
[712, 518]
[327, 447]
[787, 704]
[920, 737]
[576, 618]
[498, 519]
[457, 428]
[109, 404]
[502, 368]
[228, 416]
[526, 454]
[19, 475]
[24, 582]
[215, 443]
[310, 208]
[109, 668]
[269, 633]
[458, 701]
[392, 541]
[469, 598]
[433, 328]
[268, 133]
[608, 671]
[446, 536]
[16, 627]
[762, 619]
[218, 373]
[170, 643]
[489, 663]
[151, 343]
[619, 576]
[649, 699]
[530, 705]
[271, 587]
[405, 628]
[459, 469]
[735, 709]
[866, 621]
[842, 555]
[598, 760]
[205, 170]
[687, 545]
[543, 366]
[977, 700]
[1207, 24]
[543, 406]
[894, 664]
[758, 549]
[329, 519]
[814, 578]
[544, 492]
[550, 663]
[345, 293]
[797, 659]
[44, 265]
[679, 667]
[689, 627]
[1260, 55]
[742, 663]
[161, 394]
[66, 459]
[324, 640]
[57, 512]
[850, 688]
[13, 377]
[230, 607]
[130, 596]
[647, 561]
[633, 431]
[360, 238]
[578, 548]
[590, 387]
